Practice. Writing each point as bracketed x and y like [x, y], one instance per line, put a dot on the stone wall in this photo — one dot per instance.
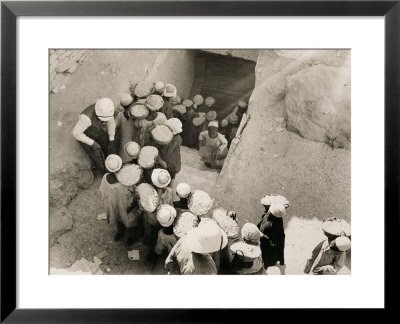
[270, 159]
[175, 67]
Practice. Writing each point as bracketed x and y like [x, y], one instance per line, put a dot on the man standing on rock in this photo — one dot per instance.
[95, 131]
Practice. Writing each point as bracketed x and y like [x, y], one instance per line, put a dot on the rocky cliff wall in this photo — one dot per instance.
[271, 159]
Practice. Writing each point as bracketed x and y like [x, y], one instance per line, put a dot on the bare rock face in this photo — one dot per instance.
[325, 57]
[61, 221]
[271, 159]
[85, 179]
[318, 104]
[64, 184]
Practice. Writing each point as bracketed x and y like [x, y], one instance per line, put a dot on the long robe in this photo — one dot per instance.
[127, 131]
[214, 150]
[121, 202]
[323, 255]
[272, 247]
[170, 154]
[188, 127]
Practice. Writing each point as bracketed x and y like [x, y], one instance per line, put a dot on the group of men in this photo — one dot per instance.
[137, 187]
[103, 129]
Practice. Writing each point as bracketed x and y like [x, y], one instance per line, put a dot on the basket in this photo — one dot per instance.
[249, 251]
[139, 111]
[148, 197]
[161, 134]
[184, 223]
[269, 199]
[230, 227]
[147, 157]
[129, 175]
[336, 226]
[197, 121]
[200, 203]
[179, 108]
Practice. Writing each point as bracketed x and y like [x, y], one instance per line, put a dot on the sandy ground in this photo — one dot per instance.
[90, 236]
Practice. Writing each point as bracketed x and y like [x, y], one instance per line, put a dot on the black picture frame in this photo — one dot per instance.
[9, 13]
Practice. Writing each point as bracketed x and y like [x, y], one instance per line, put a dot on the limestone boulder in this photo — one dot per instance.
[271, 159]
[317, 103]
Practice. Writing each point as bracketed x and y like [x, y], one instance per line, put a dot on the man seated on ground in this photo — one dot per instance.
[213, 146]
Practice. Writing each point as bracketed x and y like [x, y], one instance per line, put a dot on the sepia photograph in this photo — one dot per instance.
[199, 161]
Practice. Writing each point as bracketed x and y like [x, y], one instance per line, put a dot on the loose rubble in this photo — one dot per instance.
[62, 64]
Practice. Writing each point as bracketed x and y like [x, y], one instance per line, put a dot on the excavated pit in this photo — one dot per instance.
[268, 159]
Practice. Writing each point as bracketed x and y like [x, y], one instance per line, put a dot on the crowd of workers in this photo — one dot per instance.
[136, 147]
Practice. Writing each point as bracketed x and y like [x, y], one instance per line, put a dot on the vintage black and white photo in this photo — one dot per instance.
[200, 161]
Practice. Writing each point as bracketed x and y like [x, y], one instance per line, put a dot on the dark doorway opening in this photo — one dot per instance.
[228, 79]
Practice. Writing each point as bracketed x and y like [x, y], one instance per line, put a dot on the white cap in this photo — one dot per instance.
[132, 149]
[213, 123]
[113, 163]
[242, 103]
[166, 215]
[104, 109]
[154, 102]
[170, 91]
[126, 99]
[187, 103]
[143, 89]
[277, 209]
[159, 86]
[176, 100]
[175, 125]
[161, 119]
[200, 202]
[268, 199]
[160, 178]
[209, 101]
[343, 243]
[207, 238]
[251, 233]
[198, 99]
[183, 190]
